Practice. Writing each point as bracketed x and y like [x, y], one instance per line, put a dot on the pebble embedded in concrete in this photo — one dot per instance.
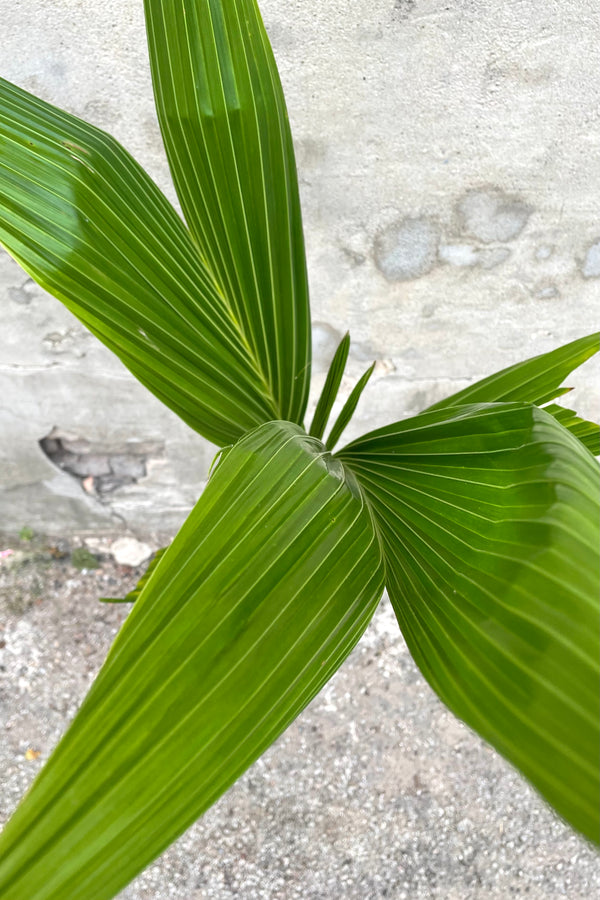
[128, 551]
[544, 251]
[491, 215]
[547, 292]
[591, 265]
[407, 249]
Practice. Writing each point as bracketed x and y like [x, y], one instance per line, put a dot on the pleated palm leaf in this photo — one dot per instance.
[480, 515]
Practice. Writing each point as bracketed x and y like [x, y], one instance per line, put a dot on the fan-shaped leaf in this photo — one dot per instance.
[490, 519]
[587, 432]
[87, 223]
[263, 593]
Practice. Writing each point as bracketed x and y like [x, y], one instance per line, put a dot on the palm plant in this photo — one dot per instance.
[480, 515]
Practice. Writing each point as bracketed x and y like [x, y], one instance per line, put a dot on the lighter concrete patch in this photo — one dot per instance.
[461, 255]
[465, 256]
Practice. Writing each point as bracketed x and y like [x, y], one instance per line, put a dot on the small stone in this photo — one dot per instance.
[548, 292]
[88, 485]
[591, 266]
[130, 552]
[76, 445]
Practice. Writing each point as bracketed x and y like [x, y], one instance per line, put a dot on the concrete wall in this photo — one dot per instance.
[448, 157]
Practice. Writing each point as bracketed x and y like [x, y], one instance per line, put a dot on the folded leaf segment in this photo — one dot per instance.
[262, 595]
[214, 320]
[489, 516]
[226, 132]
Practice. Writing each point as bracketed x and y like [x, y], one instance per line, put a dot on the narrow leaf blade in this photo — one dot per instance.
[87, 223]
[490, 519]
[587, 432]
[225, 127]
[261, 596]
[348, 408]
[536, 380]
[133, 595]
[330, 388]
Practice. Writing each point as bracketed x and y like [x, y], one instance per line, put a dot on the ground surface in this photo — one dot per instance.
[375, 791]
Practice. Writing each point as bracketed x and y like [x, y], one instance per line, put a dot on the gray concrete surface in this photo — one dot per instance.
[375, 791]
[448, 157]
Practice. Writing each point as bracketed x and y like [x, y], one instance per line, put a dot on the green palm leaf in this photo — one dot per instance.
[330, 388]
[348, 409]
[263, 593]
[87, 223]
[133, 595]
[537, 380]
[225, 128]
[490, 520]
[587, 432]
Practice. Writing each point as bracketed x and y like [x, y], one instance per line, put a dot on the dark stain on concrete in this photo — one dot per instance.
[404, 8]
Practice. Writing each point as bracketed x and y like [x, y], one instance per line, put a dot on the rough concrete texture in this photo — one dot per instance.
[375, 791]
[447, 156]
